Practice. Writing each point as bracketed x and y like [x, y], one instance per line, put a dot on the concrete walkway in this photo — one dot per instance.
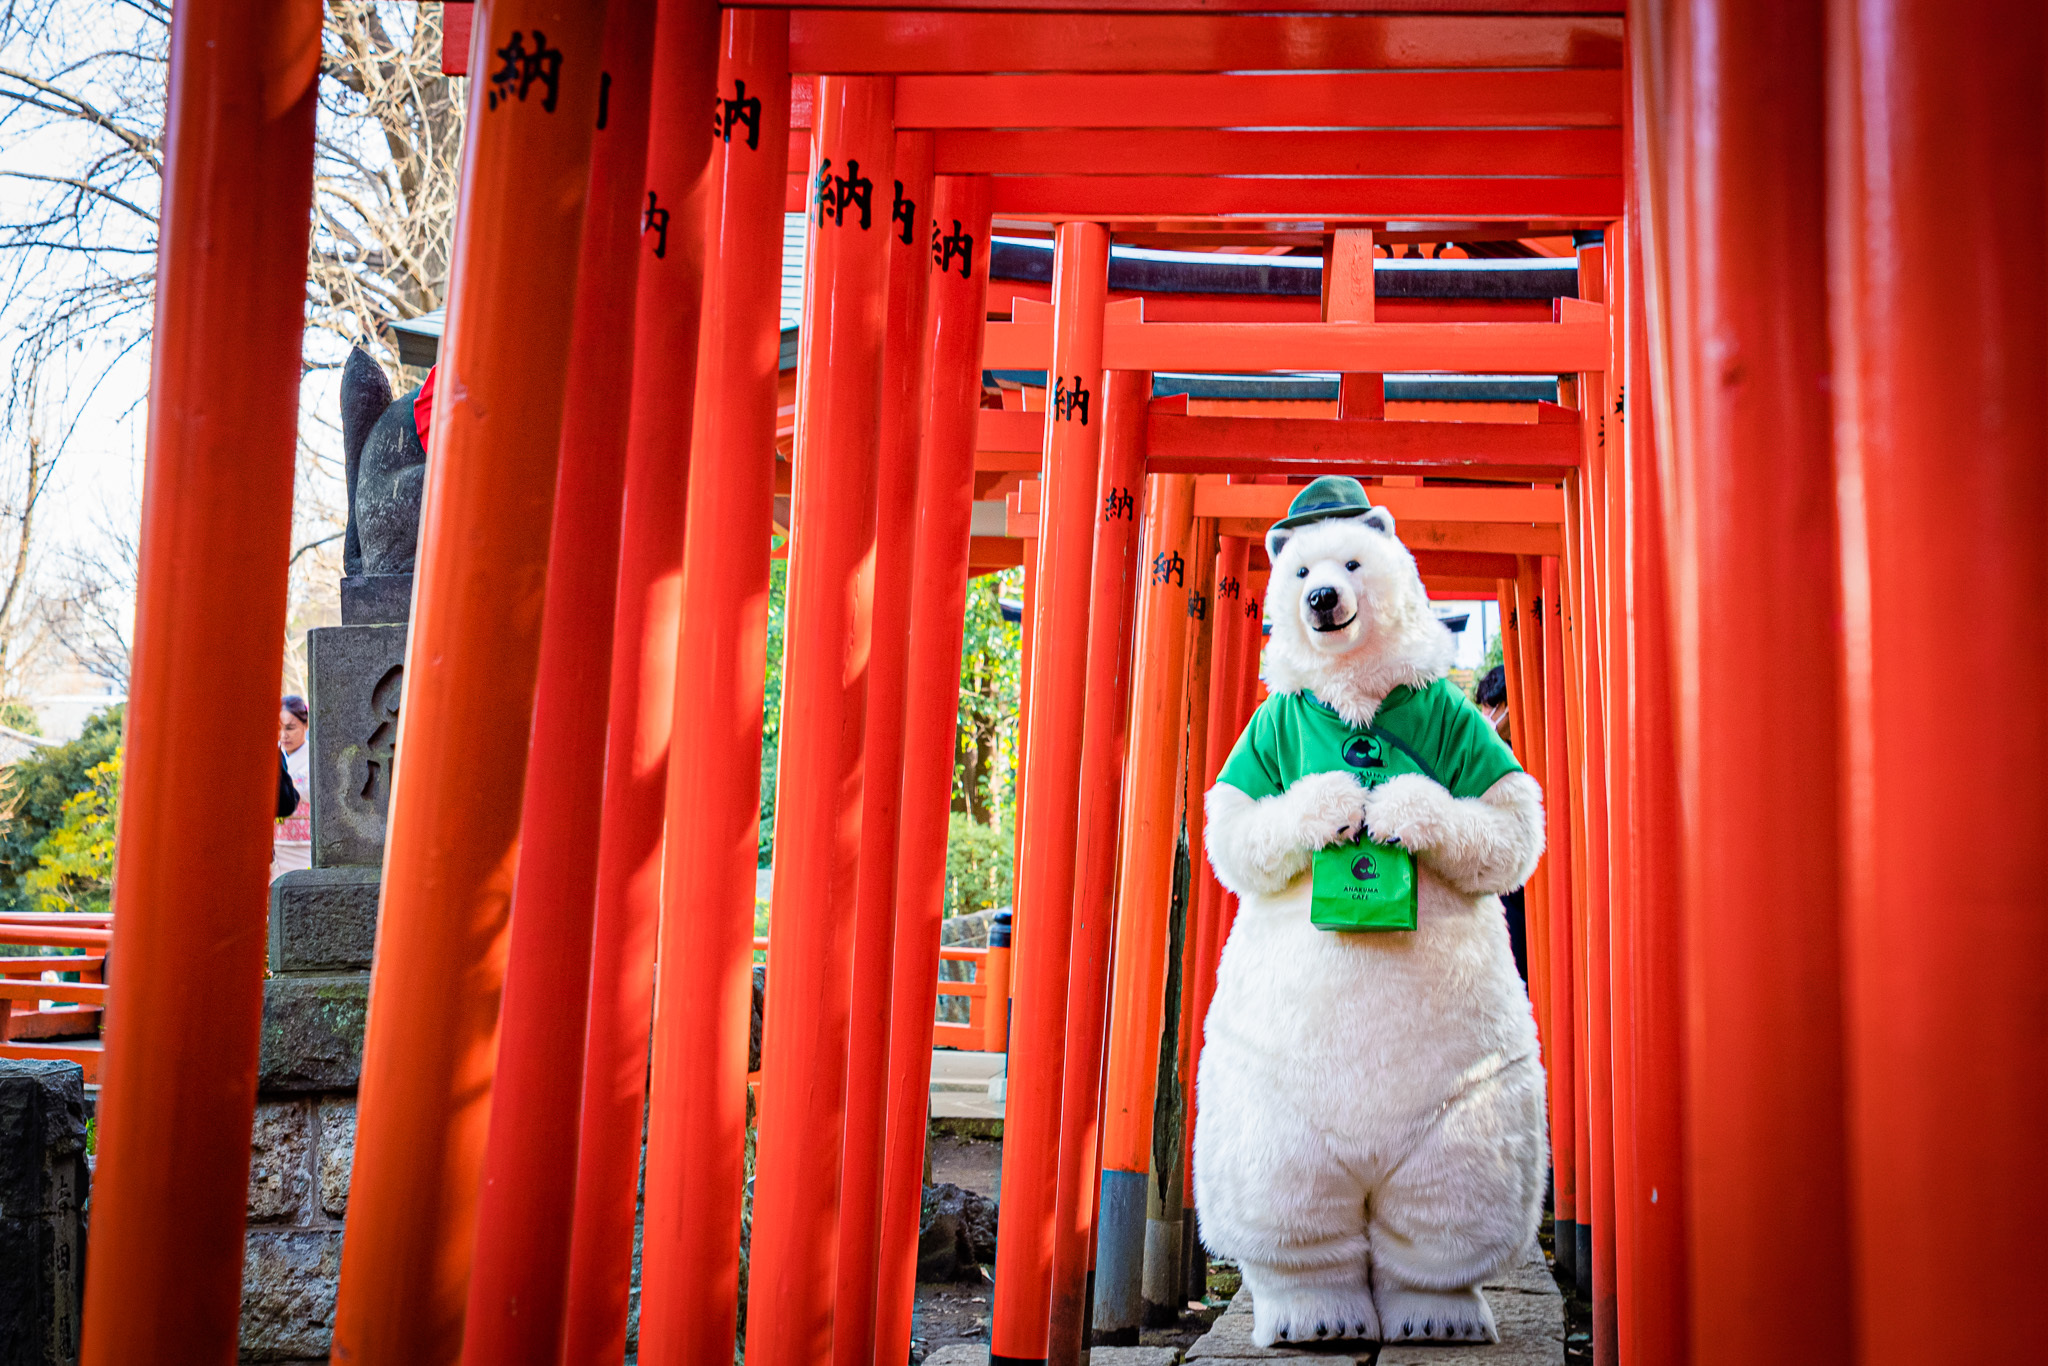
[962, 1355]
[1525, 1301]
[960, 1084]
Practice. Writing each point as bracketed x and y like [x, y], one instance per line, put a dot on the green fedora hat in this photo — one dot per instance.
[1331, 495]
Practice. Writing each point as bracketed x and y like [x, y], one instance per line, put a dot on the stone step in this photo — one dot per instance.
[962, 1355]
[1526, 1304]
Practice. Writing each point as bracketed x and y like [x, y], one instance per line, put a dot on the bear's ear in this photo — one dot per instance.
[1277, 539]
[1380, 520]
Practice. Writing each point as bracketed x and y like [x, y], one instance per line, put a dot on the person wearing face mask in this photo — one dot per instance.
[1492, 697]
[293, 845]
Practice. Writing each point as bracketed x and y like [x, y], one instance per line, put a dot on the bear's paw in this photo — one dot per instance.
[1319, 1313]
[1408, 1315]
[1329, 808]
[1410, 810]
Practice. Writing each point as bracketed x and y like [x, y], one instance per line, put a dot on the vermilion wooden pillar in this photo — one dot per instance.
[1254, 656]
[180, 1083]
[1045, 871]
[954, 319]
[431, 1037]
[1594, 614]
[1937, 145]
[1560, 1057]
[1616, 687]
[1570, 575]
[874, 950]
[1349, 291]
[1532, 741]
[642, 688]
[697, 1104]
[1127, 395]
[519, 1286]
[818, 790]
[1168, 1204]
[1658, 1310]
[1759, 650]
[1144, 901]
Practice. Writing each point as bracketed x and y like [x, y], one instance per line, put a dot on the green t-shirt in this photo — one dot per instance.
[1435, 732]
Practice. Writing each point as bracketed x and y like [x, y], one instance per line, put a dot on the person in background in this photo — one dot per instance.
[1492, 697]
[293, 846]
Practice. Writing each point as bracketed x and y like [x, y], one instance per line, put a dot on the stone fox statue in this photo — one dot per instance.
[386, 471]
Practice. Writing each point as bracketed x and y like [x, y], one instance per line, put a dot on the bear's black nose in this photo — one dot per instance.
[1322, 599]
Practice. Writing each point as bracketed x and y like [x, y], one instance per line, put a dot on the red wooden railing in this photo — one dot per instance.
[54, 1020]
[62, 1020]
[985, 1030]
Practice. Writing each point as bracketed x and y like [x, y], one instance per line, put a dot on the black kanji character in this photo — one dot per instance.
[1069, 403]
[523, 67]
[836, 192]
[904, 211]
[1226, 588]
[656, 221]
[1167, 566]
[954, 243]
[742, 108]
[1116, 504]
[1198, 607]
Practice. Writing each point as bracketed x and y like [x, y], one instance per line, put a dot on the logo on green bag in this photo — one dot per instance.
[1364, 869]
[1363, 751]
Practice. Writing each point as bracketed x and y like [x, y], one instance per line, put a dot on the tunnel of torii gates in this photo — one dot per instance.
[1769, 566]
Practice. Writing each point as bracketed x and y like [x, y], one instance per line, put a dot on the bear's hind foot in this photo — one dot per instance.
[1408, 1315]
[1314, 1306]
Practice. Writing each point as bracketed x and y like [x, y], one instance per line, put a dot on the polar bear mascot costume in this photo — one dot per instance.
[1370, 1144]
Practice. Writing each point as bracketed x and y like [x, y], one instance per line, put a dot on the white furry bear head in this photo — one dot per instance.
[1351, 621]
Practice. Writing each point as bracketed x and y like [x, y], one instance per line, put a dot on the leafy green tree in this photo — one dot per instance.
[771, 709]
[991, 668]
[991, 672]
[979, 864]
[75, 862]
[33, 795]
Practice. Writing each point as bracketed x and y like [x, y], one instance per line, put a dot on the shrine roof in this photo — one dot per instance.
[1150, 271]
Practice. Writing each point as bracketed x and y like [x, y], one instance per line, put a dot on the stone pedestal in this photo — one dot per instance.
[298, 1193]
[323, 920]
[42, 1227]
[358, 675]
[323, 932]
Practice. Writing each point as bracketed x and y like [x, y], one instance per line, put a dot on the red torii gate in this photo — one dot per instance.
[1767, 1056]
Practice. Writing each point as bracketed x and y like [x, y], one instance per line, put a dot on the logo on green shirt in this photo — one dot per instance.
[1364, 751]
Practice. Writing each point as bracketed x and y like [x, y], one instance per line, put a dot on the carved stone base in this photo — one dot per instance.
[323, 920]
[357, 674]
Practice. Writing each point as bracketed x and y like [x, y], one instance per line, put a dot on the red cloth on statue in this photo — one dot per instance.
[423, 405]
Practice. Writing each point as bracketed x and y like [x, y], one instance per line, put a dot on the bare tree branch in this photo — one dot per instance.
[82, 110]
[314, 545]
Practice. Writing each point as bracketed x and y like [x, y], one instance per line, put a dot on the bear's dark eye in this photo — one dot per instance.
[1351, 564]
[1301, 573]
